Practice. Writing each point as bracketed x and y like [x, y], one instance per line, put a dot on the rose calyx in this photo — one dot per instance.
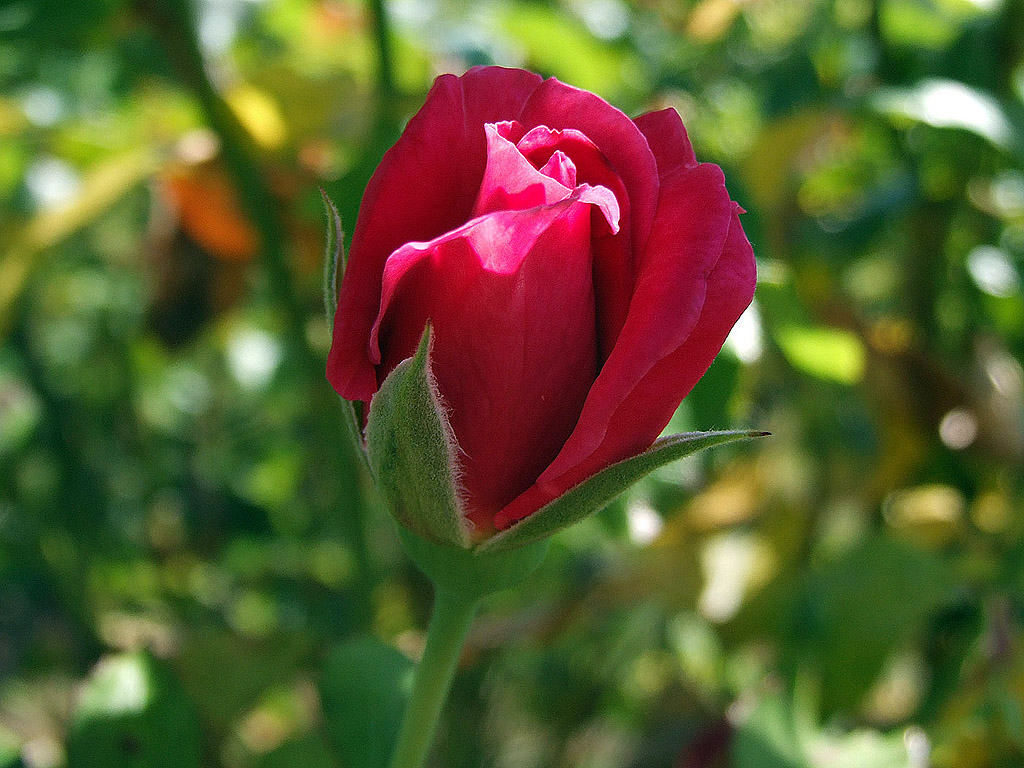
[413, 455]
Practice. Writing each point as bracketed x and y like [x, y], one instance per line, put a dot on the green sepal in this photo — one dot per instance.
[471, 574]
[597, 491]
[412, 452]
[334, 269]
[334, 256]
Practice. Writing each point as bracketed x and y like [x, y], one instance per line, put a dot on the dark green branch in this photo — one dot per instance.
[174, 23]
[385, 58]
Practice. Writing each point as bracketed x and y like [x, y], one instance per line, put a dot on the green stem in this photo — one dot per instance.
[174, 21]
[382, 40]
[449, 624]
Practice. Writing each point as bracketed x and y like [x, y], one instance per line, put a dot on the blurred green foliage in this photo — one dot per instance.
[192, 564]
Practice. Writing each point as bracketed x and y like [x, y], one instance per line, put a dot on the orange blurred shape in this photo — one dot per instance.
[331, 18]
[711, 20]
[210, 212]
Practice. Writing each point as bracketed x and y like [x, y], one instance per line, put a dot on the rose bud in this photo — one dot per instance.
[534, 284]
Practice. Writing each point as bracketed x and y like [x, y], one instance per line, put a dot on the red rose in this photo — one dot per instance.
[580, 271]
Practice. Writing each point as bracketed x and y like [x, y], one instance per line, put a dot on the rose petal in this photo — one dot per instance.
[510, 298]
[686, 242]
[541, 143]
[510, 182]
[425, 185]
[561, 168]
[667, 138]
[644, 412]
[557, 105]
[603, 200]
[613, 261]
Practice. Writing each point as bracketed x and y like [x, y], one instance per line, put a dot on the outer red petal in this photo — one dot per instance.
[425, 186]
[667, 138]
[513, 350]
[685, 244]
[611, 429]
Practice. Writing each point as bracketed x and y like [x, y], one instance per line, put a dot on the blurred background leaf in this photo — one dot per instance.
[364, 685]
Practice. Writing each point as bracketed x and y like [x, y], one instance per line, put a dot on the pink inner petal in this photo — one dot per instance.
[541, 137]
[510, 182]
[605, 201]
[501, 241]
[509, 129]
[624, 147]
[561, 168]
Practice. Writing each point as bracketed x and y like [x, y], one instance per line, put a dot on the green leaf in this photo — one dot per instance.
[922, 25]
[949, 104]
[827, 353]
[133, 713]
[310, 750]
[412, 452]
[364, 686]
[597, 491]
[334, 264]
[1011, 713]
[863, 615]
[10, 750]
[226, 672]
[768, 737]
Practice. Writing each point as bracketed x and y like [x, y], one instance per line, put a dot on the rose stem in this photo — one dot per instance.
[449, 623]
